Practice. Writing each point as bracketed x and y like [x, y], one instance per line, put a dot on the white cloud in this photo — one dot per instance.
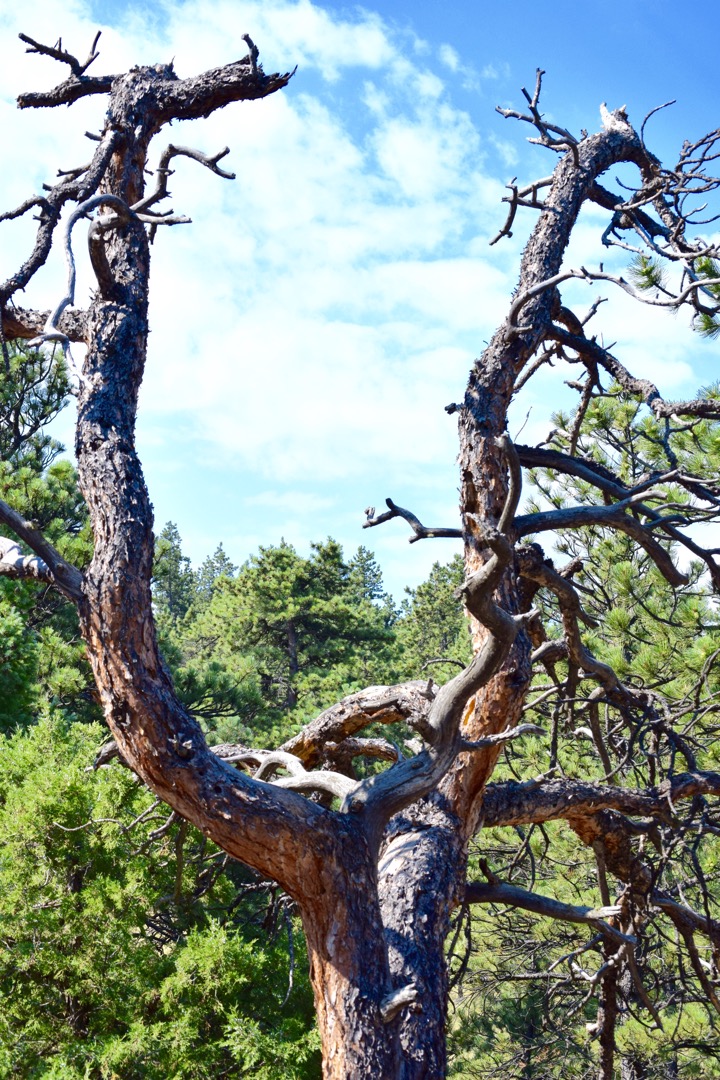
[449, 57]
[288, 32]
[496, 71]
[296, 502]
[311, 324]
[506, 150]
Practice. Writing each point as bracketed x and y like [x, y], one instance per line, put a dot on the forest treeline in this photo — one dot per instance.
[130, 946]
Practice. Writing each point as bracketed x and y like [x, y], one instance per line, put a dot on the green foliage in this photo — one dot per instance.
[433, 625]
[43, 658]
[212, 569]
[123, 956]
[707, 323]
[19, 649]
[290, 634]
[646, 630]
[647, 273]
[173, 578]
[34, 388]
[258, 651]
[366, 582]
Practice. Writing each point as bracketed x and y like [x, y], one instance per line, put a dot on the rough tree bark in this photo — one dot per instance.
[376, 880]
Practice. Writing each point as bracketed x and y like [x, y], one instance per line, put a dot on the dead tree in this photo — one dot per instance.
[377, 866]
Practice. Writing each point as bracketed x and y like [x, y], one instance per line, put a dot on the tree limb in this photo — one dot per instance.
[503, 893]
[67, 92]
[201, 95]
[50, 565]
[614, 516]
[58, 53]
[533, 802]
[707, 408]
[407, 703]
[77, 190]
[421, 532]
[23, 324]
[384, 795]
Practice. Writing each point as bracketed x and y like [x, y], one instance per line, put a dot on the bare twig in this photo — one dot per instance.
[58, 53]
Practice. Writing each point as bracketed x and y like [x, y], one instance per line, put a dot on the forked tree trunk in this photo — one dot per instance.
[365, 939]
[376, 885]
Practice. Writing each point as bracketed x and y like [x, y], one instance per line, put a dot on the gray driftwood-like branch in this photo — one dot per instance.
[706, 408]
[16, 565]
[604, 480]
[331, 738]
[22, 324]
[533, 802]
[503, 737]
[498, 892]
[67, 190]
[405, 703]
[173, 98]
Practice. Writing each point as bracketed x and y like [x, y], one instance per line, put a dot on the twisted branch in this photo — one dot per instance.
[382, 796]
[420, 531]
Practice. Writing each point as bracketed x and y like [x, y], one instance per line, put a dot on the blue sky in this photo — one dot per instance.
[312, 322]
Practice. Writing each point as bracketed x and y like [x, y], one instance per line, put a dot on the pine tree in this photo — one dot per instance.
[433, 631]
[211, 570]
[301, 624]
[174, 583]
[131, 946]
[42, 658]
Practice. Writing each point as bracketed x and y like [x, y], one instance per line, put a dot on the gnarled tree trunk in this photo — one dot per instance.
[376, 881]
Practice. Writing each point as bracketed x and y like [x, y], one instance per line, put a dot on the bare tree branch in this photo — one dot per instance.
[58, 53]
[49, 565]
[613, 516]
[421, 532]
[77, 190]
[22, 324]
[384, 795]
[407, 703]
[16, 565]
[164, 172]
[497, 892]
[537, 801]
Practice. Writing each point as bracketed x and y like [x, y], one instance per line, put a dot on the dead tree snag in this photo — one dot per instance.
[377, 879]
